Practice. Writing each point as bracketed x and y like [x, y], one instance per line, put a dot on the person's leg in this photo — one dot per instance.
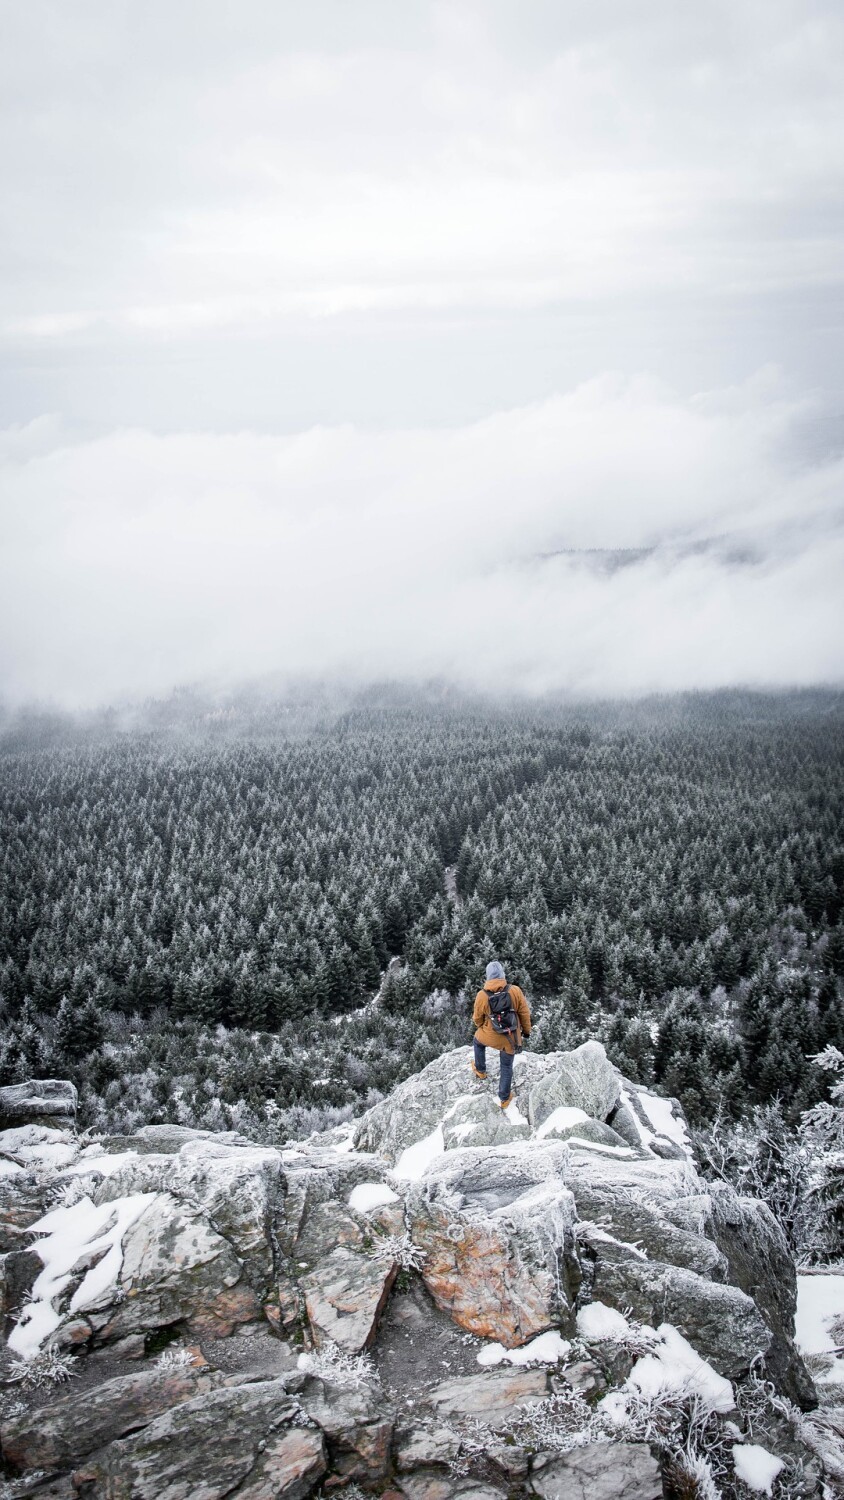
[480, 1057]
[505, 1077]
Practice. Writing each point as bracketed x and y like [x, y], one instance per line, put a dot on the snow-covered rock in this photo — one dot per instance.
[40, 1101]
[583, 1079]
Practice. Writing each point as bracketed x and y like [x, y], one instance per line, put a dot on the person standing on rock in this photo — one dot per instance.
[502, 1018]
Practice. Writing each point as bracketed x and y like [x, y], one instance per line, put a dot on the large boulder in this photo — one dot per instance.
[250, 1442]
[651, 1242]
[345, 1296]
[721, 1322]
[129, 1266]
[582, 1079]
[760, 1262]
[238, 1190]
[496, 1228]
[58, 1435]
[177, 1267]
[39, 1101]
[657, 1209]
[601, 1471]
[315, 1176]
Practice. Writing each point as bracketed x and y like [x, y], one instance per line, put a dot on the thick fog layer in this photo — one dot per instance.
[613, 539]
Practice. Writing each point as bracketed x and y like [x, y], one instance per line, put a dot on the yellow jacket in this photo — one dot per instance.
[486, 1033]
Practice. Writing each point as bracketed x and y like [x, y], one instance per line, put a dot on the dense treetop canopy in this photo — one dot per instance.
[668, 876]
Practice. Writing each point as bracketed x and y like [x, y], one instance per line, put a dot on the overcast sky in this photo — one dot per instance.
[326, 327]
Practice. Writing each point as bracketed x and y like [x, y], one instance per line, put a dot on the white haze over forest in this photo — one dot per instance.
[493, 342]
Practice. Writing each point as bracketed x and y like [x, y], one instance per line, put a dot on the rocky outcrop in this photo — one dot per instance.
[584, 1080]
[758, 1261]
[505, 1229]
[41, 1101]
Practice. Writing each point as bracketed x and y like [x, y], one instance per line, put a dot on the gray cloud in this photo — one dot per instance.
[192, 196]
[306, 314]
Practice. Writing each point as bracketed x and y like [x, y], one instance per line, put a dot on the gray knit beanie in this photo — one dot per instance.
[495, 970]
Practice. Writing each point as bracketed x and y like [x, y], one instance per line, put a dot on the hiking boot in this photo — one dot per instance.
[505, 1102]
[482, 1076]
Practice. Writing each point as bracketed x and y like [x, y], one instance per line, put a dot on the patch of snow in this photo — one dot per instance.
[70, 1233]
[460, 1132]
[13, 1141]
[646, 1136]
[514, 1114]
[369, 1195]
[9, 1168]
[104, 1165]
[600, 1146]
[547, 1349]
[597, 1321]
[820, 1303]
[415, 1160]
[458, 1103]
[756, 1467]
[346, 1143]
[591, 1232]
[820, 1300]
[614, 1408]
[663, 1119]
[561, 1118]
[675, 1367]
[38, 1145]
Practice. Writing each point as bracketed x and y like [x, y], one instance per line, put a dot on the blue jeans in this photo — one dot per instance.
[505, 1077]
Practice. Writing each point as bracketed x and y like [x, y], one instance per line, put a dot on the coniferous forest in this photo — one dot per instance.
[197, 912]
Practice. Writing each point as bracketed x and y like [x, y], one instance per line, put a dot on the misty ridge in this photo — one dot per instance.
[617, 539]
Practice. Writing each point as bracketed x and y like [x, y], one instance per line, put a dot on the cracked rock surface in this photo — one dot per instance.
[359, 1308]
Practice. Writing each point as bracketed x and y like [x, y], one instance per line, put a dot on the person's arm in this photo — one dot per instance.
[523, 1013]
[479, 1014]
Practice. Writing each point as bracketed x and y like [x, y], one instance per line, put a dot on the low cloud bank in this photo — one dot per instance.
[615, 539]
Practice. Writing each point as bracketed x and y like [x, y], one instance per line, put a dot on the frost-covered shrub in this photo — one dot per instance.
[798, 1172]
[47, 1368]
[70, 1192]
[401, 1251]
[335, 1365]
[174, 1359]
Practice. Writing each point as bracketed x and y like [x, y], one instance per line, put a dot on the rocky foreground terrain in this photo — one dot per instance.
[441, 1299]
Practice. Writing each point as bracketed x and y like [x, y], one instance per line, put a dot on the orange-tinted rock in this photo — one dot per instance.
[496, 1229]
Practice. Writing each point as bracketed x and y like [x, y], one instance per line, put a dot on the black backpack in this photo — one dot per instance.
[501, 1012]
